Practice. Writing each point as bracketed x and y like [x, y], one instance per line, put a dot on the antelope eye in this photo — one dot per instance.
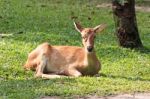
[83, 37]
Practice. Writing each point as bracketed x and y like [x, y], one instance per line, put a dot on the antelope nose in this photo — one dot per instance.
[90, 48]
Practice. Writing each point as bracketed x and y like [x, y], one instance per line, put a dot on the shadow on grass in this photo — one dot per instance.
[33, 88]
[144, 49]
[123, 77]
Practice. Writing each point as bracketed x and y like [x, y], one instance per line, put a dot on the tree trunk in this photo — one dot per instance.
[126, 25]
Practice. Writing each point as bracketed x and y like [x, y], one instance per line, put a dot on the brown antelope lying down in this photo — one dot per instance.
[55, 61]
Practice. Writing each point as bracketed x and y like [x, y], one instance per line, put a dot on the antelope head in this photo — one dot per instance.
[88, 35]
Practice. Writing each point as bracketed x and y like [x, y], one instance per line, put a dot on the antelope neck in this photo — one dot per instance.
[89, 56]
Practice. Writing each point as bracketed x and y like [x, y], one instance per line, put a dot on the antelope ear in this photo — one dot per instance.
[78, 26]
[99, 28]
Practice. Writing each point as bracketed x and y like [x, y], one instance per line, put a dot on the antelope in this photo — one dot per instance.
[56, 61]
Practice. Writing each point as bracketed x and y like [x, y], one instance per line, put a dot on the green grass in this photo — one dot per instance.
[32, 22]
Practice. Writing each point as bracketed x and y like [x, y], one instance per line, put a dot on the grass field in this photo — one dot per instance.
[27, 23]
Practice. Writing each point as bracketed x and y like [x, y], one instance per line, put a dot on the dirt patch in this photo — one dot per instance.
[144, 9]
[122, 96]
[128, 96]
[138, 8]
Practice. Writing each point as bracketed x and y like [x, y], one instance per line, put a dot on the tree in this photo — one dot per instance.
[126, 25]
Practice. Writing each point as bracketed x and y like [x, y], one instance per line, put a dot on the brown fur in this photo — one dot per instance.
[54, 61]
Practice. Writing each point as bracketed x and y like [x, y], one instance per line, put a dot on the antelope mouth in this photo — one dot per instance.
[90, 49]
